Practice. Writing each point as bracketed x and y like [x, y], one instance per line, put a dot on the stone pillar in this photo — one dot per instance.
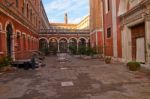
[86, 44]
[68, 47]
[13, 46]
[77, 46]
[147, 37]
[58, 48]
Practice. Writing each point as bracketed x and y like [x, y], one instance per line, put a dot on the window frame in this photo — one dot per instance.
[109, 33]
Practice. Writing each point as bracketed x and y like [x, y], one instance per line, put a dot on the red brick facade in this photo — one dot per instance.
[19, 25]
[112, 34]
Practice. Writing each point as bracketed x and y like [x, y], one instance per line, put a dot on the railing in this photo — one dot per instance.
[57, 31]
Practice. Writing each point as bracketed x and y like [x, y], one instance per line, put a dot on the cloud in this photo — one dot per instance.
[77, 20]
[76, 9]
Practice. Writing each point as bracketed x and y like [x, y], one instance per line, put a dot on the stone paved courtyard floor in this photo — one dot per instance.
[76, 79]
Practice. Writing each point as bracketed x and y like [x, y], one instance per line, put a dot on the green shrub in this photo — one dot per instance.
[82, 50]
[90, 51]
[73, 49]
[5, 61]
[133, 66]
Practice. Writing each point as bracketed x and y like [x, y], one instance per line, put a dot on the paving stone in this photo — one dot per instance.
[76, 79]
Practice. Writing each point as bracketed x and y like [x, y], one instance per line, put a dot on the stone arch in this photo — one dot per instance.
[63, 38]
[9, 28]
[54, 38]
[63, 45]
[19, 32]
[43, 44]
[53, 45]
[44, 38]
[10, 22]
[73, 45]
[82, 41]
[73, 38]
[83, 38]
[73, 41]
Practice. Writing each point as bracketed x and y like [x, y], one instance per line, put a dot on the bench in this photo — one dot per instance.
[25, 63]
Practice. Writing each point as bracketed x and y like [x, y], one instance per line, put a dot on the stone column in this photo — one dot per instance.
[147, 37]
[58, 48]
[77, 46]
[68, 47]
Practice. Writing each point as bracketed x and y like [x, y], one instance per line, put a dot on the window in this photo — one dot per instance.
[27, 11]
[24, 42]
[108, 32]
[23, 8]
[29, 43]
[18, 41]
[31, 15]
[107, 6]
[108, 3]
[17, 3]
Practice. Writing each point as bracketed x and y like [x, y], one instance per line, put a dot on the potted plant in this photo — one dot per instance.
[133, 66]
[108, 60]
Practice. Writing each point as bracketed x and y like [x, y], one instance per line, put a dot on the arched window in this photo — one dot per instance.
[31, 15]
[29, 43]
[27, 11]
[18, 41]
[24, 41]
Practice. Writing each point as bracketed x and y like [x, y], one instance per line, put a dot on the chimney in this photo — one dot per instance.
[66, 18]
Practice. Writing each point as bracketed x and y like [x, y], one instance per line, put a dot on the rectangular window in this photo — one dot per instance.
[108, 32]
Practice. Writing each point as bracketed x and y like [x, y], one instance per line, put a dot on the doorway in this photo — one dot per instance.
[140, 50]
[138, 43]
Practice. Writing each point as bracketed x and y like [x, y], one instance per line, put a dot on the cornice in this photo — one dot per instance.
[18, 18]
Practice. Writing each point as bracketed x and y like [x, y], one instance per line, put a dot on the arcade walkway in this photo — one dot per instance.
[75, 79]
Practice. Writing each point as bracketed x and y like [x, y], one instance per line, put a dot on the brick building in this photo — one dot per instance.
[112, 35]
[61, 35]
[20, 22]
[135, 29]
[96, 24]
[126, 29]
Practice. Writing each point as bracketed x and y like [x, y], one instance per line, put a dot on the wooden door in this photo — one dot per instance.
[140, 50]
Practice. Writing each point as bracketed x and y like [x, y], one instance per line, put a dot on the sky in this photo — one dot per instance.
[76, 10]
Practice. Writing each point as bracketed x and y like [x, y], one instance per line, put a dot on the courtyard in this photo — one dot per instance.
[76, 79]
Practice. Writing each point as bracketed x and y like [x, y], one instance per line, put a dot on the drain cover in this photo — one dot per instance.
[69, 83]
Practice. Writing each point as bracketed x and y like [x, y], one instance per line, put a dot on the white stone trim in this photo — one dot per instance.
[82, 38]
[114, 29]
[54, 38]
[13, 35]
[73, 38]
[97, 30]
[43, 38]
[63, 38]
